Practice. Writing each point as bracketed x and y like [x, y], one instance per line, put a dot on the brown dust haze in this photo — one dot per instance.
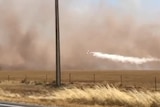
[27, 35]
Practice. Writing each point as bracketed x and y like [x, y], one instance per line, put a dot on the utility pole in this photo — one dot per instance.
[57, 30]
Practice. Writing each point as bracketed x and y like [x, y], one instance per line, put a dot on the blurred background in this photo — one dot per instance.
[124, 27]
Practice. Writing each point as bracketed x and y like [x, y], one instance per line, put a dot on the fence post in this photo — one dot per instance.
[155, 83]
[70, 77]
[121, 77]
[25, 78]
[46, 77]
[8, 77]
[94, 78]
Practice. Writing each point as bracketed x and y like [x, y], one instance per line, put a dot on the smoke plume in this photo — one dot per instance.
[123, 59]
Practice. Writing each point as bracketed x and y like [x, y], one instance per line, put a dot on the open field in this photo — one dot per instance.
[145, 79]
[82, 89]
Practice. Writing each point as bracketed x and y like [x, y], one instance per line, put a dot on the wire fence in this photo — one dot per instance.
[138, 81]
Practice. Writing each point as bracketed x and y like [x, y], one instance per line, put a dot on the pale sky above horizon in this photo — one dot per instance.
[95, 25]
[140, 8]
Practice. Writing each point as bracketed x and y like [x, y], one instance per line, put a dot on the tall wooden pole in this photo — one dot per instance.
[57, 30]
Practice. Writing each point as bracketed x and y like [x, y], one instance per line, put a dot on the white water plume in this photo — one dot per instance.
[124, 59]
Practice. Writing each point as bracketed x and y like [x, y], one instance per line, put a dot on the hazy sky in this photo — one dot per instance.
[139, 7]
[27, 26]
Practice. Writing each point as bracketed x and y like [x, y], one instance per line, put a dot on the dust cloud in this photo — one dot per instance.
[27, 35]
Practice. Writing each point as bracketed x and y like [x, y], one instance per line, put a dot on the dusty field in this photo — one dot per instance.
[141, 79]
[82, 89]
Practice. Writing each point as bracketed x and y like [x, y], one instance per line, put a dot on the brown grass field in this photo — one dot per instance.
[145, 79]
[82, 88]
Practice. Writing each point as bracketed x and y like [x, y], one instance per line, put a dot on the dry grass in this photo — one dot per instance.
[101, 95]
[83, 92]
[84, 96]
